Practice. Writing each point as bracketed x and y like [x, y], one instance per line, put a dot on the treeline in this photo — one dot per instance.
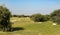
[20, 16]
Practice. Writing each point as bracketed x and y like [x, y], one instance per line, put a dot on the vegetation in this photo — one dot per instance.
[25, 26]
[39, 17]
[5, 24]
[20, 16]
[55, 16]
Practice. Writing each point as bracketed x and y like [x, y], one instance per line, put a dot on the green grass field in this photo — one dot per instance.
[25, 26]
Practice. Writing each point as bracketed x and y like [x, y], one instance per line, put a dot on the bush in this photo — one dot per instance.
[39, 17]
[5, 24]
[55, 16]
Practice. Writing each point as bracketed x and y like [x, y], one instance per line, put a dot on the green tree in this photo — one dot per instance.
[5, 14]
[55, 16]
[39, 17]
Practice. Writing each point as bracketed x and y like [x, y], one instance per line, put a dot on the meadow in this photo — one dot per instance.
[25, 26]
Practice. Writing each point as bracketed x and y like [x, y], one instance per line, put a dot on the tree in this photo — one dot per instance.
[55, 16]
[39, 17]
[5, 14]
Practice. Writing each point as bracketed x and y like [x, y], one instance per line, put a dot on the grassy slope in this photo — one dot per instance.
[32, 28]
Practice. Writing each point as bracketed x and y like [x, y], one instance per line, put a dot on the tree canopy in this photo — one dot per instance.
[5, 18]
[39, 17]
[55, 16]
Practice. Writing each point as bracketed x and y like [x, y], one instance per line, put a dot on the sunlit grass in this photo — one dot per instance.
[32, 28]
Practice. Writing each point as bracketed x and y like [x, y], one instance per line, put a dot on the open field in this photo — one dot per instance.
[25, 26]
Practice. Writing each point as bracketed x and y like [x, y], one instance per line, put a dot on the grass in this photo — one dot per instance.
[25, 26]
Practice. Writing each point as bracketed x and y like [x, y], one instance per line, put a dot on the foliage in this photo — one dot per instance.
[20, 16]
[5, 24]
[39, 17]
[55, 16]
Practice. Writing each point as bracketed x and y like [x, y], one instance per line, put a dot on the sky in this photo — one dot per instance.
[29, 7]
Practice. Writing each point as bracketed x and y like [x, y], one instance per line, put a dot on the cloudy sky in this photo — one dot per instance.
[28, 7]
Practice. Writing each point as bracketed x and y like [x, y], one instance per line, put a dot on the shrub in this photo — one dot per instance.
[5, 24]
[55, 16]
[39, 18]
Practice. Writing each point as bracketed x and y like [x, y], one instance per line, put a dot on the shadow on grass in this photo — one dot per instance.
[17, 28]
